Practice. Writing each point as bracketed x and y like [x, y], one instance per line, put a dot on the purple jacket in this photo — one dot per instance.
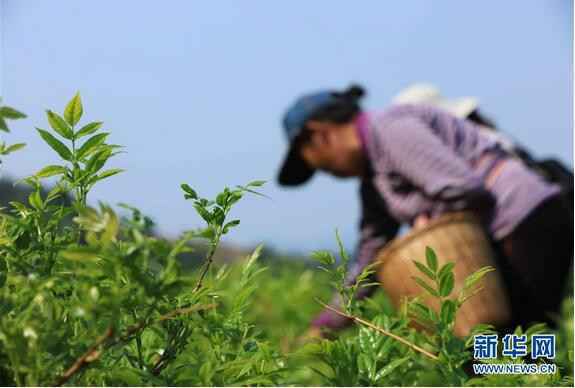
[423, 160]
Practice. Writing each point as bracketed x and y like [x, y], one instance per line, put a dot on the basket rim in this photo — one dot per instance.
[397, 243]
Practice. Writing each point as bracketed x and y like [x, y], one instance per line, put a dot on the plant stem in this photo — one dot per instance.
[382, 331]
[209, 259]
[92, 354]
[139, 345]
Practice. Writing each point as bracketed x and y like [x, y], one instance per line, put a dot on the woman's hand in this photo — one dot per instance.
[421, 221]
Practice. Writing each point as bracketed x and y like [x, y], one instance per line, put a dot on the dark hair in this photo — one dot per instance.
[344, 107]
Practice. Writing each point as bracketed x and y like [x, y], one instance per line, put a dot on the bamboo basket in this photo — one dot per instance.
[455, 237]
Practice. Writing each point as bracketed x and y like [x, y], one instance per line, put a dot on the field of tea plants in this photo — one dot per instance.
[92, 297]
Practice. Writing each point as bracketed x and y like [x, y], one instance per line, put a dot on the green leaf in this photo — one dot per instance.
[11, 113]
[74, 110]
[342, 252]
[97, 161]
[431, 259]
[109, 173]
[90, 144]
[230, 225]
[475, 277]
[324, 257]
[448, 267]
[208, 233]
[13, 147]
[447, 314]
[56, 192]
[205, 373]
[80, 253]
[35, 200]
[59, 125]
[256, 184]
[538, 328]
[424, 269]
[425, 286]
[56, 144]
[422, 311]
[222, 198]
[255, 255]
[203, 213]
[247, 189]
[218, 216]
[88, 129]
[446, 283]
[3, 126]
[190, 193]
[49, 171]
[385, 371]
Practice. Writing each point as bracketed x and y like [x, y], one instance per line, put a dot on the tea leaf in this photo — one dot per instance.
[11, 113]
[431, 259]
[256, 183]
[190, 193]
[56, 144]
[49, 171]
[90, 144]
[108, 173]
[448, 267]
[324, 257]
[425, 286]
[74, 110]
[13, 147]
[446, 284]
[203, 213]
[230, 225]
[59, 125]
[35, 200]
[3, 126]
[448, 309]
[98, 160]
[80, 253]
[476, 277]
[424, 269]
[88, 129]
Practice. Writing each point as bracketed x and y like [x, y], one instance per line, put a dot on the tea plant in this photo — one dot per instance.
[388, 351]
[103, 301]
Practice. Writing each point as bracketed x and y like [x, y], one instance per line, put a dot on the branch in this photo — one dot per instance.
[382, 331]
[209, 260]
[92, 354]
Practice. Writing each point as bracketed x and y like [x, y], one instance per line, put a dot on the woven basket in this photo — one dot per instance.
[455, 237]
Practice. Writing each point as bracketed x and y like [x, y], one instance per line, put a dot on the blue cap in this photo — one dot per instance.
[300, 112]
[295, 170]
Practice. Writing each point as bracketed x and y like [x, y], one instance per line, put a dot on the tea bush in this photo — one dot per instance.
[103, 301]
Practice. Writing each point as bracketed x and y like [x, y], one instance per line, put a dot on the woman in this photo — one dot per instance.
[416, 162]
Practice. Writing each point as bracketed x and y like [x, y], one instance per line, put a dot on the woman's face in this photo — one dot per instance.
[334, 148]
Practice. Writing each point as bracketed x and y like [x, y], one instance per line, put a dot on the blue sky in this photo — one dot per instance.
[195, 89]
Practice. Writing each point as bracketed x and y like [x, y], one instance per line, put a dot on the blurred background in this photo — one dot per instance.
[195, 90]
